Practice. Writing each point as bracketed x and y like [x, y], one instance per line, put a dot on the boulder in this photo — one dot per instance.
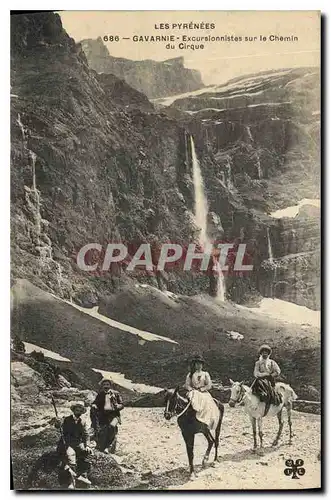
[27, 382]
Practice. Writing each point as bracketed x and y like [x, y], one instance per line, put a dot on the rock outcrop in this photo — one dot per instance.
[153, 78]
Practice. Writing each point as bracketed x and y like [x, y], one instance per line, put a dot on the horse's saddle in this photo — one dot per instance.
[267, 394]
[219, 405]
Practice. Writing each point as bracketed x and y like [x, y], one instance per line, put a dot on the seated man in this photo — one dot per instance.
[105, 416]
[73, 446]
[265, 371]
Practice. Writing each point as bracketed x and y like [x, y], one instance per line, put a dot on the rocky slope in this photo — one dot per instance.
[153, 78]
[187, 325]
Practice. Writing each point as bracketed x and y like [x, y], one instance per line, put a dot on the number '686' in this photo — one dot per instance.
[111, 38]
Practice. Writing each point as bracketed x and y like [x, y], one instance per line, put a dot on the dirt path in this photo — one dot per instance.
[152, 454]
[155, 448]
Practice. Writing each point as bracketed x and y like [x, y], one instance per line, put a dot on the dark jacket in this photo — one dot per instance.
[116, 400]
[74, 432]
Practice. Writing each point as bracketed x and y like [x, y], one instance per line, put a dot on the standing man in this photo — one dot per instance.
[105, 415]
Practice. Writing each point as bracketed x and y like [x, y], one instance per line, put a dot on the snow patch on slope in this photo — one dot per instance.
[120, 379]
[49, 354]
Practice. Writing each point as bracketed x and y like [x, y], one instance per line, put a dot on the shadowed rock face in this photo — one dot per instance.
[153, 78]
[263, 133]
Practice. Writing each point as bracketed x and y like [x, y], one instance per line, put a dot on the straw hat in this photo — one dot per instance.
[102, 381]
[75, 404]
[197, 359]
[265, 347]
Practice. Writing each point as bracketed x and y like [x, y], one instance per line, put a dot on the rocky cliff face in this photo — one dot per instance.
[262, 133]
[94, 161]
[153, 78]
[87, 163]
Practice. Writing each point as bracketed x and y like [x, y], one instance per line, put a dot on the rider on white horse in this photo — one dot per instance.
[265, 371]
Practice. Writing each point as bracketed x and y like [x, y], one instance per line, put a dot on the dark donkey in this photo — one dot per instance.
[189, 425]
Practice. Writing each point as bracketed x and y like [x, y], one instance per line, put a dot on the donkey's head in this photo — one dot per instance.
[171, 400]
[237, 393]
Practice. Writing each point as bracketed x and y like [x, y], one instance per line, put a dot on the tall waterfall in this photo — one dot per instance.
[201, 214]
[200, 201]
[270, 254]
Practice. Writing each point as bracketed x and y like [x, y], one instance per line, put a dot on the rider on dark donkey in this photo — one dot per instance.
[105, 415]
[198, 383]
[265, 371]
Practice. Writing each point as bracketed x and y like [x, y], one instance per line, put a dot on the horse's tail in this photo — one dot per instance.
[289, 393]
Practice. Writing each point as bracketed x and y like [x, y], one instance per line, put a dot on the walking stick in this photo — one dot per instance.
[57, 416]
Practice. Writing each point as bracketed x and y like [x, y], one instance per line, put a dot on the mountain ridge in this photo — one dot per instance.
[153, 78]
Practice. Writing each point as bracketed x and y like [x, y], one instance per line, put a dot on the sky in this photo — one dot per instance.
[218, 61]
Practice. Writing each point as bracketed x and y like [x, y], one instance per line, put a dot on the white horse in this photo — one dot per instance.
[255, 408]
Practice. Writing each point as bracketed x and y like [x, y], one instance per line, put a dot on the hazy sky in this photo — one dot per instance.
[219, 61]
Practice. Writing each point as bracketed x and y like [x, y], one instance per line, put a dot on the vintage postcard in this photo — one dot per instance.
[165, 250]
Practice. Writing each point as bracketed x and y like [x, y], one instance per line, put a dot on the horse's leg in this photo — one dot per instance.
[280, 427]
[189, 442]
[259, 425]
[289, 420]
[217, 436]
[211, 442]
[253, 421]
[218, 431]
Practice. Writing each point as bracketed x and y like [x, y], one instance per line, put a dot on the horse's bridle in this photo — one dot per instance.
[240, 397]
[173, 412]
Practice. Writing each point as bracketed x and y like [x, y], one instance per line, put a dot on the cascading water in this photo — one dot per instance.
[20, 124]
[258, 165]
[201, 214]
[220, 282]
[258, 162]
[249, 133]
[33, 158]
[270, 254]
[186, 150]
[200, 201]
[229, 174]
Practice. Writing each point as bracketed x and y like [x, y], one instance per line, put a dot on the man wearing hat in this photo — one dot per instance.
[265, 371]
[74, 445]
[105, 413]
